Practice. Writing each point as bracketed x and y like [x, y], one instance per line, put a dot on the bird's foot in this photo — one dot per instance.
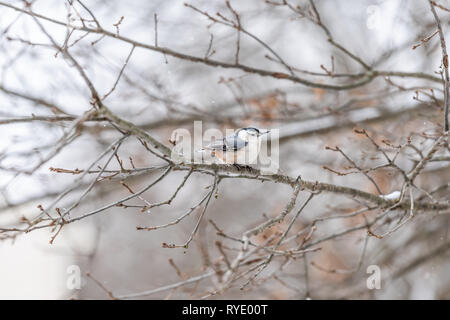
[242, 167]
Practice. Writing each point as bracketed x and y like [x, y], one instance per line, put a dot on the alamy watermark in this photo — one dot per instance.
[373, 21]
[260, 150]
[374, 280]
[74, 279]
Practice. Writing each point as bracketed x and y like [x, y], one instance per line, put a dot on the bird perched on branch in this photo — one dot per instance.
[240, 148]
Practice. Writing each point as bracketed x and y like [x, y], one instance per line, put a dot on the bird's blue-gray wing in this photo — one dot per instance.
[233, 142]
[228, 143]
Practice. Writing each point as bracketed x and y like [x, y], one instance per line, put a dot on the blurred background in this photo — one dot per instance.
[161, 93]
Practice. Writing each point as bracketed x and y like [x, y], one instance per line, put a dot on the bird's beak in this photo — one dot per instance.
[262, 133]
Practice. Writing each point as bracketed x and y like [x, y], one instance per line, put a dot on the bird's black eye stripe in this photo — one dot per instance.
[252, 129]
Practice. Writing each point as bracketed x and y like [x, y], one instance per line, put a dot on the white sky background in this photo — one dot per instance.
[31, 268]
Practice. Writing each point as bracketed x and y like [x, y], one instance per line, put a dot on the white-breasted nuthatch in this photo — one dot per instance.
[242, 147]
